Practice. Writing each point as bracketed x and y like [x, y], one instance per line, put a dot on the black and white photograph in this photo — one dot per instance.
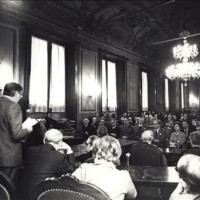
[99, 100]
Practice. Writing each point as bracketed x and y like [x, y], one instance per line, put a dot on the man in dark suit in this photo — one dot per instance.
[113, 129]
[159, 134]
[127, 131]
[52, 159]
[145, 153]
[11, 132]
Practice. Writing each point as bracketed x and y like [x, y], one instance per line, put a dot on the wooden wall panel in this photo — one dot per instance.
[160, 103]
[174, 96]
[132, 88]
[6, 55]
[88, 81]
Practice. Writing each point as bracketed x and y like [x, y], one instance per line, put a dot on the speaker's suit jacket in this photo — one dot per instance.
[11, 133]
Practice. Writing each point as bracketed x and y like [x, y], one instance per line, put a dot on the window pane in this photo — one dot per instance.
[57, 79]
[182, 96]
[38, 75]
[112, 90]
[104, 83]
[144, 91]
[166, 94]
[193, 96]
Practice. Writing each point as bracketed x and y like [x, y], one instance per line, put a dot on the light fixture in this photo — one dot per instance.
[184, 70]
[186, 51]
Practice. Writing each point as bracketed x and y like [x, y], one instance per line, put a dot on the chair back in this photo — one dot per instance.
[68, 188]
[7, 188]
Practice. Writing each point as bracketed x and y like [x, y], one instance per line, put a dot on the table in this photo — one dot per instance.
[173, 154]
[81, 148]
[154, 183]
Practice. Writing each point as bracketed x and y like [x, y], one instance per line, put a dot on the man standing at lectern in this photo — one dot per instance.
[11, 132]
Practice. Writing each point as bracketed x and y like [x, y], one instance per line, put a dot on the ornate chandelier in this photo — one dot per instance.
[186, 51]
[184, 70]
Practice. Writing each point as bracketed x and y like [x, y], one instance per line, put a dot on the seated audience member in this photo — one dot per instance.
[169, 128]
[150, 122]
[186, 130]
[155, 116]
[132, 123]
[103, 172]
[52, 123]
[127, 131]
[86, 128]
[159, 134]
[102, 130]
[193, 125]
[39, 129]
[145, 153]
[177, 138]
[188, 187]
[139, 128]
[113, 129]
[88, 157]
[107, 117]
[54, 158]
[94, 126]
[195, 142]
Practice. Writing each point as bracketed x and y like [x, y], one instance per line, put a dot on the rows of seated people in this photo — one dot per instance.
[56, 158]
[168, 129]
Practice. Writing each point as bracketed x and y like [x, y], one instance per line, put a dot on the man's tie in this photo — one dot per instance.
[156, 132]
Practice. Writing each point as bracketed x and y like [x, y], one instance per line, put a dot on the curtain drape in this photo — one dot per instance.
[144, 91]
[109, 88]
[57, 79]
[112, 90]
[38, 75]
[166, 94]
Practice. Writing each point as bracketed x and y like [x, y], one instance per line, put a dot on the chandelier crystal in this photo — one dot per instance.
[185, 52]
[184, 70]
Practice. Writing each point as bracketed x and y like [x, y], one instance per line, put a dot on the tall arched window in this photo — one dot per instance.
[144, 91]
[182, 96]
[47, 76]
[109, 89]
[166, 94]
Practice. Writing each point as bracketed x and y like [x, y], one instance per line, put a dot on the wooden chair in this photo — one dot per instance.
[7, 188]
[68, 188]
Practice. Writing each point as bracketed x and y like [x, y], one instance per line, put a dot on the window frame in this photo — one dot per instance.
[50, 41]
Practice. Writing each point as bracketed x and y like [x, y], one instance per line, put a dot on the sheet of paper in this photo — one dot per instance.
[29, 122]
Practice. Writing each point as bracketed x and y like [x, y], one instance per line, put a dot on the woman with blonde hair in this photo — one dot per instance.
[103, 172]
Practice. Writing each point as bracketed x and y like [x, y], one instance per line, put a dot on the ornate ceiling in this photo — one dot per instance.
[135, 25]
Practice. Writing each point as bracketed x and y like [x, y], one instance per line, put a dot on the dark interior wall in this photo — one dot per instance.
[174, 96]
[160, 91]
[121, 87]
[71, 80]
[132, 88]
[152, 86]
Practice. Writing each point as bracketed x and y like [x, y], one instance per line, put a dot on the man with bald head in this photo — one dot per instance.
[145, 153]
